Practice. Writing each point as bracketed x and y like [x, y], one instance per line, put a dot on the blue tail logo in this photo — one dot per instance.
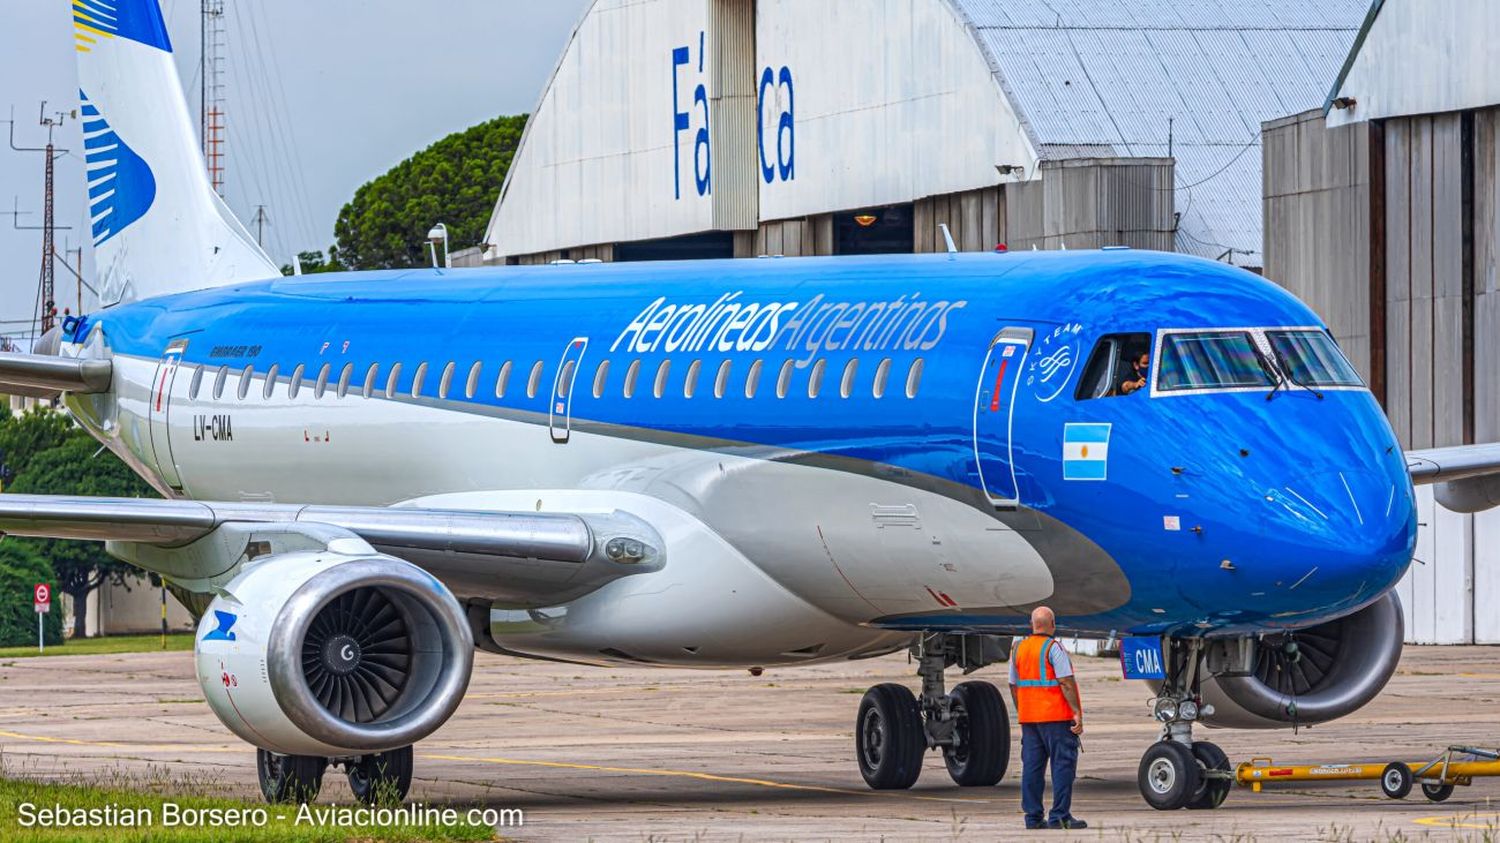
[121, 186]
[103, 20]
[226, 621]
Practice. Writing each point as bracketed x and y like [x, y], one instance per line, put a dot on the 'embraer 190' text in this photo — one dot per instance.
[817, 326]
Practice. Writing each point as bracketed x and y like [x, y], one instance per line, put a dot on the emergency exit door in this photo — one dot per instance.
[160, 410]
[994, 414]
[560, 410]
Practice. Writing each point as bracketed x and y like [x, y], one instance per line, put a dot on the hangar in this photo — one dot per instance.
[1382, 211]
[736, 128]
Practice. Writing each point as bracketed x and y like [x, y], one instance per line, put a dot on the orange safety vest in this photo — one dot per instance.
[1039, 696]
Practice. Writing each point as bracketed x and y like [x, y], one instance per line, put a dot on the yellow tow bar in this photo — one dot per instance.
[1457, 765]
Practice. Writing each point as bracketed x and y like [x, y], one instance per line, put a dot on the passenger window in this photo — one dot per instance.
[270, 387]
[502, 380]
[815, 380]
[662, 372]
[322, 385]
[846, 384]
[631, 375]
[914, 378]
[196, 384]
[446, 382]
[882, 377]
[1114, 362]
[370, 375]
[690, 385]
[752, 381]
[219, 382]
[535, 381]
[245, 378]
[393, 382]
[471, 386]
[565, 379]
[601, 378]
[784, 380]
[417, 379]
[721, 382]
[346, 375]
[296, 385]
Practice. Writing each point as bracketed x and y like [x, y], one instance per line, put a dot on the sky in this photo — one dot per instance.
[321, 96]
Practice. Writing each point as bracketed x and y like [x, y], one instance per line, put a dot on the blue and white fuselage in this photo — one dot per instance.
[868, 444]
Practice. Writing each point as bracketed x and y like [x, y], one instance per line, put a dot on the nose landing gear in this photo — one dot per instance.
[1177, 771]
[970, 725]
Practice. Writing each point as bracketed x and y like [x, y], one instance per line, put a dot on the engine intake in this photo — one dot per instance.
[327, 655]
[1312, 675]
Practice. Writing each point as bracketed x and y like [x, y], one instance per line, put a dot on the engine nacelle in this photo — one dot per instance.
[1334, 669]
[322, 653]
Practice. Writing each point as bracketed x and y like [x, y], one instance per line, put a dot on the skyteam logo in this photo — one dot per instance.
[121, 186]
[96, 21]
[1052, 362]
[1086, 451]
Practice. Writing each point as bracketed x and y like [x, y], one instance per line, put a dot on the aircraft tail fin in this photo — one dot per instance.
[158, 226]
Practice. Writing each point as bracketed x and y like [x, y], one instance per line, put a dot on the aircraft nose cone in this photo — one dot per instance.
[1356, 529]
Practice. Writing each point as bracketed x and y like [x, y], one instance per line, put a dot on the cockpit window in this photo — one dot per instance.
[1310, 358]
[1211, 360]
[1118, 365]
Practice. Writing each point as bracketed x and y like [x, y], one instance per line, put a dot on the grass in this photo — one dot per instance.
[280, 822]
[105, 646]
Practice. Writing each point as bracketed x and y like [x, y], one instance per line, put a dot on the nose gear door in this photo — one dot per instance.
[160, 409]
[994, 410]
[560, 409]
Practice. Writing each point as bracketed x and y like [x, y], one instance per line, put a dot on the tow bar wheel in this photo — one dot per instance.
[1395, 780]
[1437, 792]
[1169, 776]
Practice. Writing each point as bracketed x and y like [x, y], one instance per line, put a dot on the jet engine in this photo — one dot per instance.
[1308, 676]
[327, 654]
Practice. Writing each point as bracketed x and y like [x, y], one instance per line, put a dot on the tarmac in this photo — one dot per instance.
[640, 754]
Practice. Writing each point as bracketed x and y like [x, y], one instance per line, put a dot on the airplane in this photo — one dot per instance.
[366, 476]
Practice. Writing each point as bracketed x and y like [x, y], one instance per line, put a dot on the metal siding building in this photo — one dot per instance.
[744, 127]
[1382, 210]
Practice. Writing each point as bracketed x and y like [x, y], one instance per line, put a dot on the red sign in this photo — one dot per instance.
[42, 597]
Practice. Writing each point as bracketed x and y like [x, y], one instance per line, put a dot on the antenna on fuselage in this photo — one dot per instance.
[296, 265]
[948, 239]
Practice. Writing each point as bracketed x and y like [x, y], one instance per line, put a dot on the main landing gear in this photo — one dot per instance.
[971, 724]
[382, 778]
[1177, 771]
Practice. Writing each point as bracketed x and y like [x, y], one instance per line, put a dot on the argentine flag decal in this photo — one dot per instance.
[1086, 451]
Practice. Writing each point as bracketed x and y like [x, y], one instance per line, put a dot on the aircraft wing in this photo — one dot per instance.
[45, 376]
[1467, 477]
[1438, 465]
[516, 555]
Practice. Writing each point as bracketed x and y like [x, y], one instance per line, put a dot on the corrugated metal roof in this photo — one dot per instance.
[1109, 75]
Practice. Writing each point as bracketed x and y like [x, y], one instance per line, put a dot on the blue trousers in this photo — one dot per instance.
[1041, 742]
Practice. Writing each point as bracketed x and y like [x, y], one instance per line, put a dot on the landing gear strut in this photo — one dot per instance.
[1177, 771]
[970, 725]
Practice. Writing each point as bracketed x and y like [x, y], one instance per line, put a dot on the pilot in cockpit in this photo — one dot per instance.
[1134, 376]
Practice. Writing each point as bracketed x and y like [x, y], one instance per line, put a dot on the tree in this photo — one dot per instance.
[73, 469]
[455, 181]
[314, 262]
[23, 437]
[21, 568]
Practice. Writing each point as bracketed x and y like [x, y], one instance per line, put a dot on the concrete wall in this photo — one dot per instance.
[114, 610]
[1391, 231]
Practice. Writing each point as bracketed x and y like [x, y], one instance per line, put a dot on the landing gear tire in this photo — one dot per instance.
[982, 730]
[889, 738]
[289, 778]
[1437, 792]
[382, 778]
[1395, 780]
[1212, 790]
[1169, 776]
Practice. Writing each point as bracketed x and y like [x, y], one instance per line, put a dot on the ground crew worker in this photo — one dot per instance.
[1047, 705]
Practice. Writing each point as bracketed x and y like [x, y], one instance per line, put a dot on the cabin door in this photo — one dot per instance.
[160, 412]
[560, 409]
[994, 412]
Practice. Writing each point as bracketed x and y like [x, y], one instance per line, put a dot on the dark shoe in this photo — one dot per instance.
[1030, 827]
[1069, 823]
